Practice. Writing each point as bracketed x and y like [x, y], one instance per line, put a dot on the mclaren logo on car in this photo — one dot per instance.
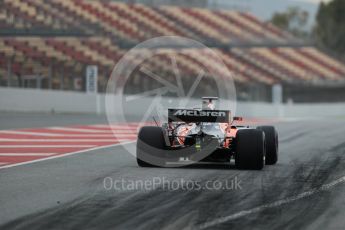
[197, 113]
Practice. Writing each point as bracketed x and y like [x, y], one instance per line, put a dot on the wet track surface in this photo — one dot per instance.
[69, 192]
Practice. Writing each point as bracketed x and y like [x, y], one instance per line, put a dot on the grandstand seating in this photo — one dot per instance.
[138, 22]
[104, 25]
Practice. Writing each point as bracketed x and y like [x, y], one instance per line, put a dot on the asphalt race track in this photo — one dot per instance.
[305, 190]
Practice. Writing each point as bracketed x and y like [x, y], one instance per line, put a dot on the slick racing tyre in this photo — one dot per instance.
[271, 137]
[150, 147]
[250, 149]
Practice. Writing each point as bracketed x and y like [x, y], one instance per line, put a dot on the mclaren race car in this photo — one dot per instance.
[206, 135]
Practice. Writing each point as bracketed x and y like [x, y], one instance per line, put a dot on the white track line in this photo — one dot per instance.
[278, 203]
[67, 129]
[125, 134]
[124, 131]
[99, 135]
[91, 135]
[47, 146]
[134, 127]
[63, 140]
[118, 133]
[26, 154]
[30, 133]
[64, 155]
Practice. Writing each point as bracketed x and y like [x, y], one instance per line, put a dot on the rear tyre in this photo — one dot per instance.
[271, 138]
[250, 149]
[150, 147]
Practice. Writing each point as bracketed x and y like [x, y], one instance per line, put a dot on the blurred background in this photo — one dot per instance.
[285, 57]
[57, 55]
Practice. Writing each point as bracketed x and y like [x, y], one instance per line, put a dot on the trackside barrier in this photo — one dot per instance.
[47, 101]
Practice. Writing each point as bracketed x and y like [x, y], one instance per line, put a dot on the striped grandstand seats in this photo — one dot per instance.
[294, 63]
[323, 59]
[104, 25]
[137, 22]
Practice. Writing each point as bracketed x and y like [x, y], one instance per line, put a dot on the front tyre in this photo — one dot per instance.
[150, 147]
[271, 137]
[250, 149]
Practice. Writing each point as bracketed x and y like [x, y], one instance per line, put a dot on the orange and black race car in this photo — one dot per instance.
[206, 135]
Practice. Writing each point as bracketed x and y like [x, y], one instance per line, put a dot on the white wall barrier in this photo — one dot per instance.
[33, 100]
[36, 100]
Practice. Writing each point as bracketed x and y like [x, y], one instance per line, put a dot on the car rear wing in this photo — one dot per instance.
[192, 115]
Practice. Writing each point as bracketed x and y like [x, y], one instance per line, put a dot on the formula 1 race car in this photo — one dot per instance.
[206, 135]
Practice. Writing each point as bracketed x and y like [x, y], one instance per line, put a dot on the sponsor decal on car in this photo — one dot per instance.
[193, 115]
[197, 113]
